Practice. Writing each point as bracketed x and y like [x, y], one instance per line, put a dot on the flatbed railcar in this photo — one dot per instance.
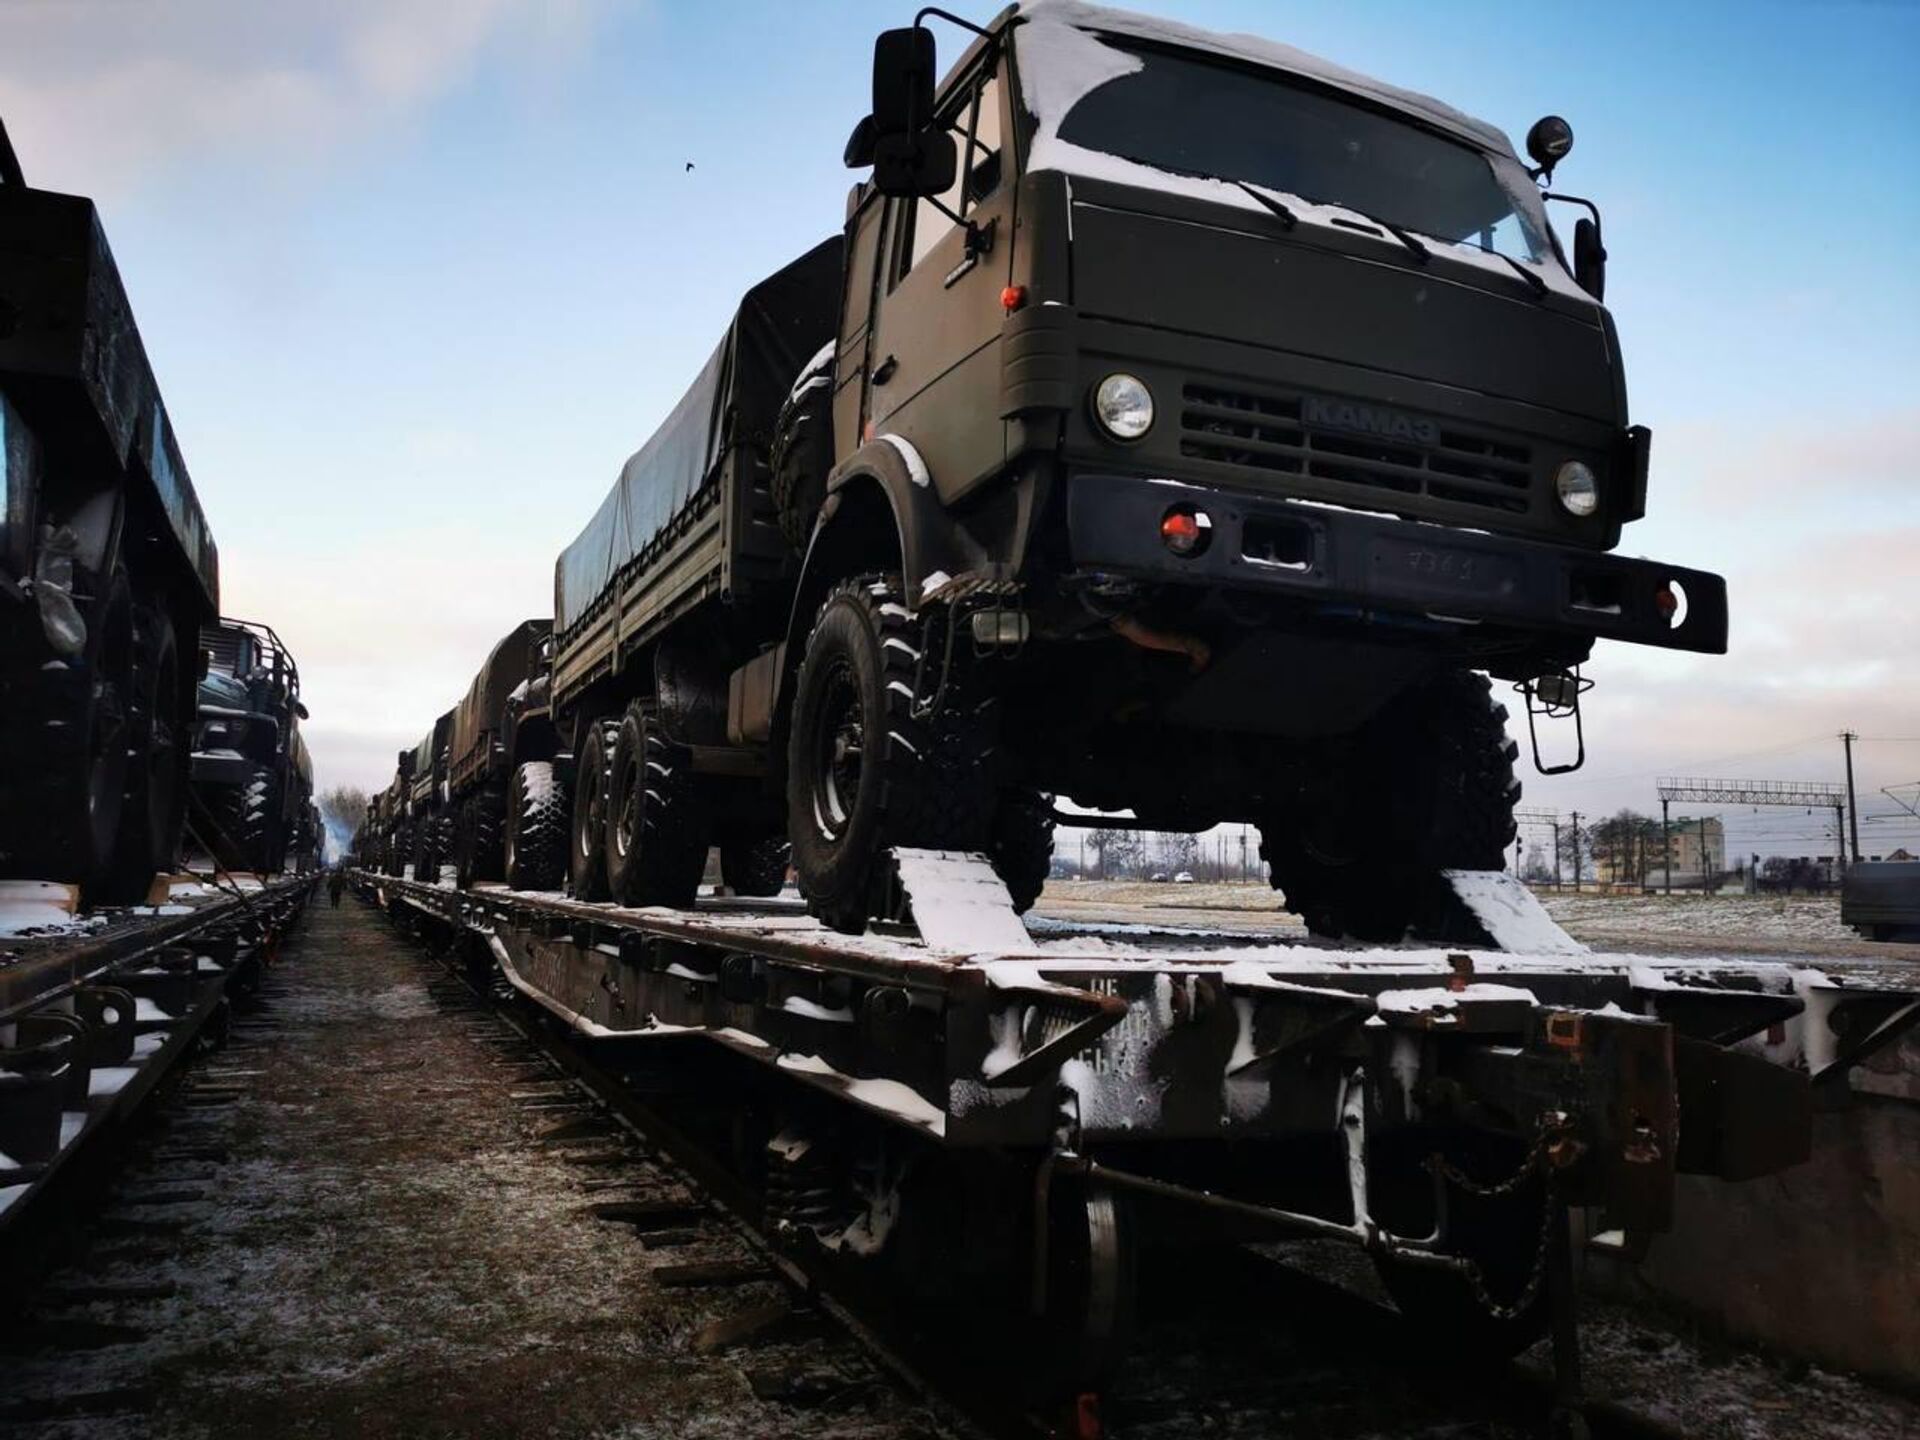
[92, 1017]
[1440, 1108]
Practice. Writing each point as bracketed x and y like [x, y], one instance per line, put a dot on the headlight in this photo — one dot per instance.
[1579, 490]
[1124, 406]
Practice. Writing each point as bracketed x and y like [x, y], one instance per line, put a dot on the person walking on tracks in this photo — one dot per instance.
[336, 882]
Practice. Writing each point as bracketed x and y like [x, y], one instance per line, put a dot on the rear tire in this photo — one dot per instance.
[866, 770]
[755, 868]
[1021, 846]
[154, 803]
[242, 816]
[478, 847]
[70, 759]
[587, 858]
[537, 829]
[1431, 787]
[429, 849]
[656, 838]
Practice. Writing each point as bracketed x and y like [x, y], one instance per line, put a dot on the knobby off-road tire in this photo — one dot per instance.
[1021, 845]
[242, 817]
[592, 796]
[69, 733]
[867, 770]
[537, 828]
[479, 840]
[801, 456]
[755, 866]
[1431, 787]
[154, 803]
[432, 844]
[656, 834]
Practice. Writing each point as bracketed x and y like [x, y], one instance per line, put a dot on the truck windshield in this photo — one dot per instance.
[1189, 115]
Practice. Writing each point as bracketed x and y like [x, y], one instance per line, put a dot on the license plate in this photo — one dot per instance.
[1442, 569]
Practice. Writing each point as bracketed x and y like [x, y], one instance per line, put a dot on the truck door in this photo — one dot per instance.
[935, 351]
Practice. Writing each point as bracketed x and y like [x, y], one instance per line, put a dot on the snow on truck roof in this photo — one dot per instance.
[1075, 64]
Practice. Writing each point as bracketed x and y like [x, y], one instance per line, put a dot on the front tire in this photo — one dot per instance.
[537, 829]
[869, 767]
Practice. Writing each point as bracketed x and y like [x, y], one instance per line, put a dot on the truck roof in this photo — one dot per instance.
[1064, 17]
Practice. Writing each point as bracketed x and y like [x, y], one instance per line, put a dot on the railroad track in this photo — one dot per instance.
[93, 1026]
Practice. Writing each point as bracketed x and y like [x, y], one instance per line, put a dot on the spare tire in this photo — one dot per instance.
[802, 452]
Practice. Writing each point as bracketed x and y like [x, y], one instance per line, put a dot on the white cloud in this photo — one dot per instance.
[105, 96]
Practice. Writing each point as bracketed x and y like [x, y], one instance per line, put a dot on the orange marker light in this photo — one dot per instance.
[1185, 531]
[1013, 298]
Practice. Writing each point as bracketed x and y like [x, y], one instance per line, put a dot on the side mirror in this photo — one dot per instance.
[909, 152]
[1589, 258]
[301, 710]
[1548, 143]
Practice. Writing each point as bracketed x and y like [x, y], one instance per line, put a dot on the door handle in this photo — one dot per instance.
[883, 372]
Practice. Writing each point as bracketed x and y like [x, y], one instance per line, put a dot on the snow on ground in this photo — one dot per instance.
[1809, 918]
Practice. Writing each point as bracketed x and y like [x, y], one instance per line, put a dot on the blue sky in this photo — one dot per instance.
[416, 275]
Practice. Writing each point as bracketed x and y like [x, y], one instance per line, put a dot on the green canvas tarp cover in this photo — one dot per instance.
[780, 325]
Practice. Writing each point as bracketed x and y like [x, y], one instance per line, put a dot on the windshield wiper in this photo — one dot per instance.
[1286, 215]
[1399, 232]
[1534, 282]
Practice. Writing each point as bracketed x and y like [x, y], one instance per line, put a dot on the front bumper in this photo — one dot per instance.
[221, 767]
[1350, 559]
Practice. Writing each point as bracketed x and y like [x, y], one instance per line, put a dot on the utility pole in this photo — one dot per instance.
[1666, 848]
[1703, 855]
[1576, 852]
[1847, 737]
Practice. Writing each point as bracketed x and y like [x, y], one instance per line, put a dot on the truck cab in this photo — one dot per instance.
[252, 777]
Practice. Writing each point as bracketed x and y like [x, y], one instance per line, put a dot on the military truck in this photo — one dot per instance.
[509, 819]
[252, 776]
[1880, 899]
[429, 823]
[107, 566]
[1193, 427]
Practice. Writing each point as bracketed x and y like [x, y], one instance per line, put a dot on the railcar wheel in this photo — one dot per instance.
[755, 868]
[1088, 1318]
[536, 838]
[655, 836]
[587, 857]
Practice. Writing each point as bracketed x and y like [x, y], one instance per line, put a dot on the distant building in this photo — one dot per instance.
[1696, 854]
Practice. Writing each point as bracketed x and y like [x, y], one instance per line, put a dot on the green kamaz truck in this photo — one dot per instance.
[1181, 424]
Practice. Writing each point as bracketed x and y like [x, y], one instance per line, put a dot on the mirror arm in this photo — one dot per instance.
[920, 19]
[1588, 205]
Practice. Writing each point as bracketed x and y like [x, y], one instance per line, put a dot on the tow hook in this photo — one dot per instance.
[1199, 654]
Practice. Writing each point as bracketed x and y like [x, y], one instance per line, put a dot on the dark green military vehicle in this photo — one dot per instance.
[252, 776]
[107, 566]
[509, 819]
[1192, 427]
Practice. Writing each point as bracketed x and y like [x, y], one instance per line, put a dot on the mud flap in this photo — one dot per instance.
[958, 903]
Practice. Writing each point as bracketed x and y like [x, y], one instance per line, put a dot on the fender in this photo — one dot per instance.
[880, 503]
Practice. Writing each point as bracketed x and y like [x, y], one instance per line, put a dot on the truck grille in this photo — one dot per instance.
[1266, 432]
